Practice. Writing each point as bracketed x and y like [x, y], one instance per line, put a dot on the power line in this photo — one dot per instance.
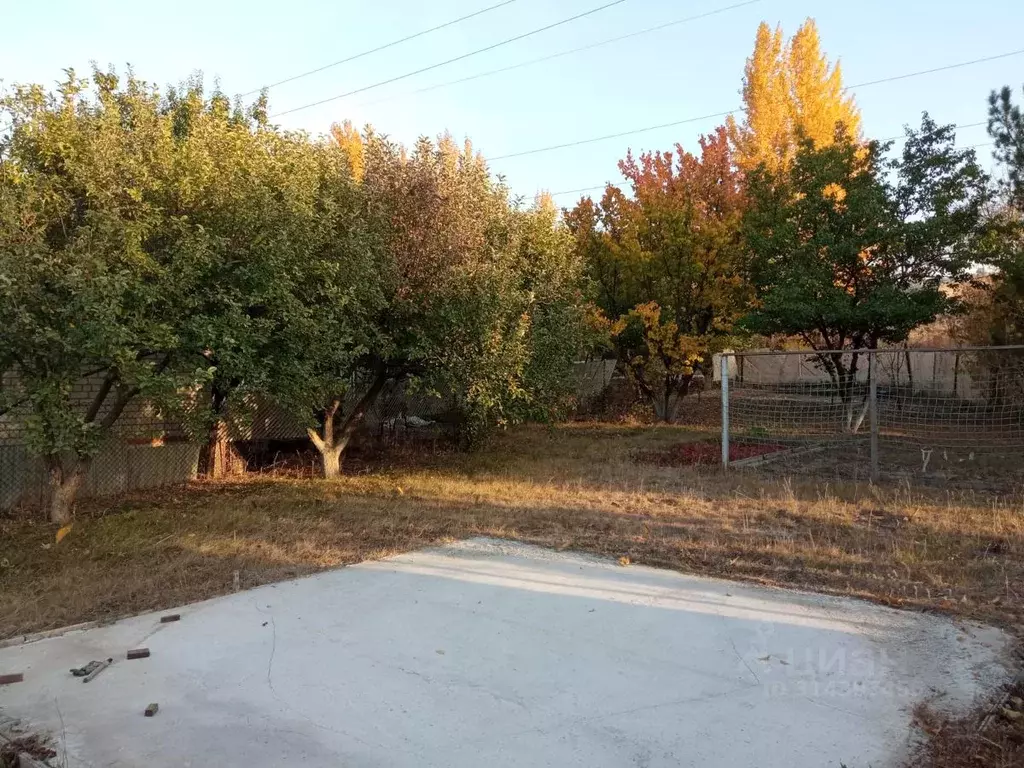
[957, 126]
[616, 135]
[645, 129]
[478, 51]
[560, 54]
[379, 48]
[936, 69]
[579, 191]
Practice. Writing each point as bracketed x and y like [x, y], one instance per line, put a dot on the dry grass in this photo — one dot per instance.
[992, 736]
[575, 487]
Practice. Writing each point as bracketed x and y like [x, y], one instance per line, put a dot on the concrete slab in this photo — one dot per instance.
[497, 654]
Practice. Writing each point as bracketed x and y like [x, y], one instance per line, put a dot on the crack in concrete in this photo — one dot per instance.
[745, 664]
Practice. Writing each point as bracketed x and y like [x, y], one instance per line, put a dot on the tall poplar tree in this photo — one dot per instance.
[790, 92]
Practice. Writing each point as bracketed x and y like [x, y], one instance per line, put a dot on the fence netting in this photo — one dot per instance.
[147, 449]
[949, 416]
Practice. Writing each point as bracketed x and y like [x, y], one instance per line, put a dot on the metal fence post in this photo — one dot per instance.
[873, 410]
[725, 410]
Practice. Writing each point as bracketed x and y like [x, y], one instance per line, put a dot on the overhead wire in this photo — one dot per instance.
[645, 129]
[560, 54]
[936, 69]
[452, 60]
[379, 48]
[619, 135]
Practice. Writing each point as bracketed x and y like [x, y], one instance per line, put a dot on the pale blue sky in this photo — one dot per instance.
[684, 71]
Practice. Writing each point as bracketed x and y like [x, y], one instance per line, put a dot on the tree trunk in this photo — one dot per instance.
[64, 484]
[330, 450]
[330, 445]
[855, 421]
[220, 458]
[331, 458]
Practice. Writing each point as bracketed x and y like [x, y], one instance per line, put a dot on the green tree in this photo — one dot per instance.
[177, 247]
[996, 306]
[89, 265]
[183, 250]
[288, 265]
[847, 250]
[1006, 127]
[551, 275]
[665, 264]
[470, 288]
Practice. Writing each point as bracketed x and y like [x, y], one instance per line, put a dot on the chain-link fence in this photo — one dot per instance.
[940, 416]
[147, 450]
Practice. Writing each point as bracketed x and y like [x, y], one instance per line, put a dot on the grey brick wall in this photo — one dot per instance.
[146, 451]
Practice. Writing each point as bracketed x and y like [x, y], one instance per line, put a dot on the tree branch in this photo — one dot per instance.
[317, 440]
[362, 406]
[100, 396]
[124, 396]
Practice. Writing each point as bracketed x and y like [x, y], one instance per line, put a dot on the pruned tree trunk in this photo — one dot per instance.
[65, 478]
[66, 471]
[331, 443]
[666, 405]
[331, 460]
[220, 458]
[329, 448]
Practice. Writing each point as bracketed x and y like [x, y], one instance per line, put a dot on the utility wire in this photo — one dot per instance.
[478, 51]
[936, 69]
[560, 54]
[956, 126]
[616, 135]
[645, 129]
[379, 48]
[579, 191]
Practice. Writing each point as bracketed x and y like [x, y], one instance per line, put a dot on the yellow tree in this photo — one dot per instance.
[347, 137]
[789, 90]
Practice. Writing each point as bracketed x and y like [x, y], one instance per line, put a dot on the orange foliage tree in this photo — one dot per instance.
[664, 264]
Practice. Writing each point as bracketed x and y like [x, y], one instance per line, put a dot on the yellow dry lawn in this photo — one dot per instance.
[574, 486]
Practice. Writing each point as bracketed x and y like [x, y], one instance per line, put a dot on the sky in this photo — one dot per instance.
[686, 70]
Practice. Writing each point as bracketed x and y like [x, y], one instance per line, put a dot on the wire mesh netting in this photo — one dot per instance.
[949, 416]
[148, 449]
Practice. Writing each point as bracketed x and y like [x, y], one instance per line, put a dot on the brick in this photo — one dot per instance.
[14, 678]
[138, 653]
[151, 710]
[169, 618]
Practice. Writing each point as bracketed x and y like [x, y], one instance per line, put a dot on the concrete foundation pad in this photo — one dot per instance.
[491, 653]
